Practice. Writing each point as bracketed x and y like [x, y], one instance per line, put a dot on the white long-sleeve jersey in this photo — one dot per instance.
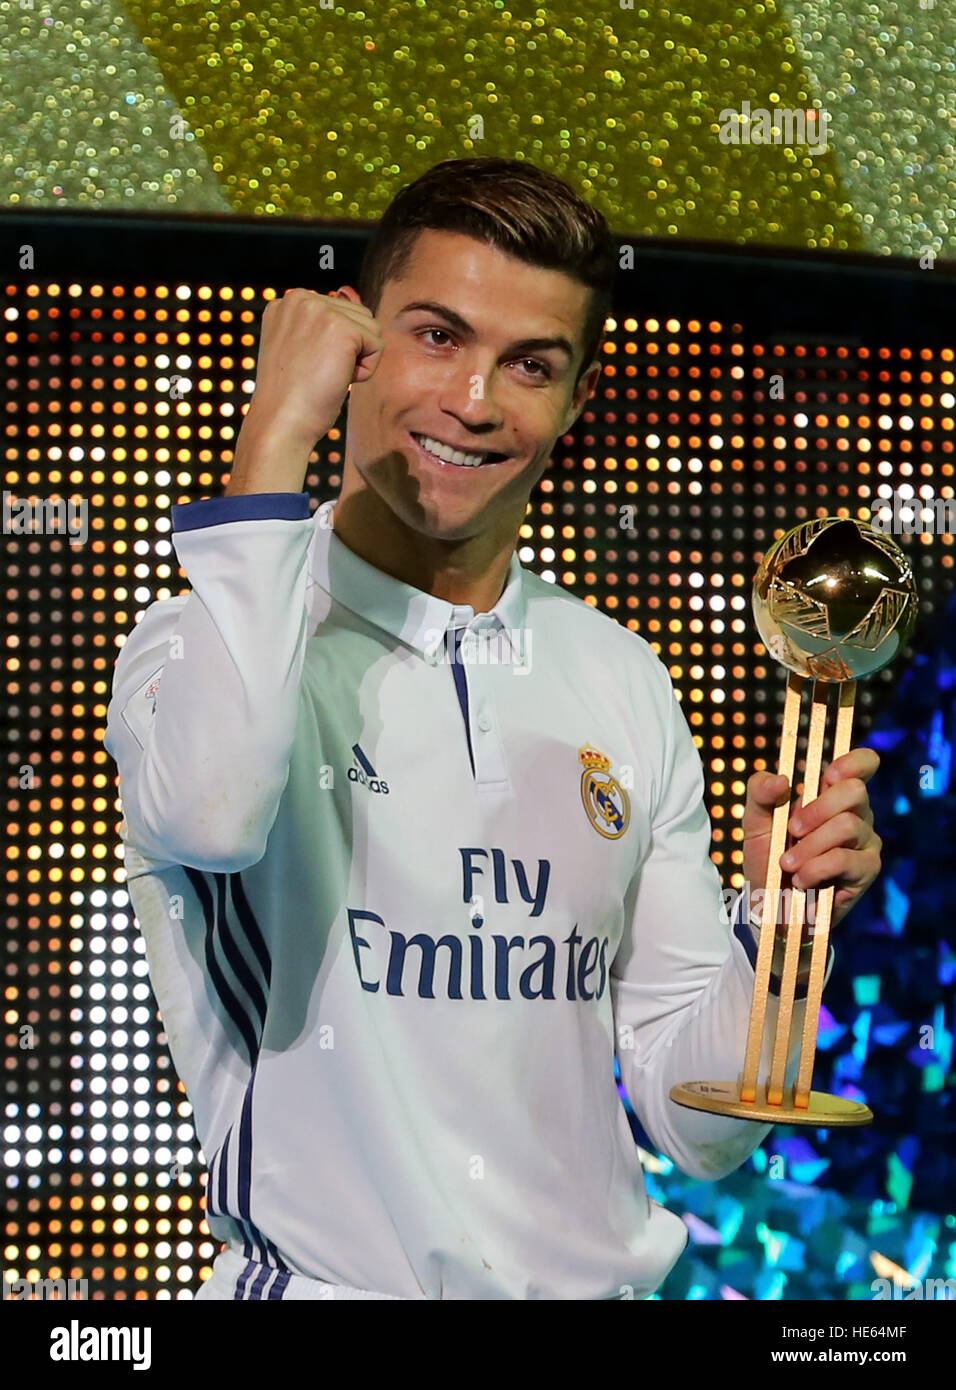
[408, 877]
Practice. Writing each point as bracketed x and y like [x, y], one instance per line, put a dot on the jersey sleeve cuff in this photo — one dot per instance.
[744, 934]
[254, 506]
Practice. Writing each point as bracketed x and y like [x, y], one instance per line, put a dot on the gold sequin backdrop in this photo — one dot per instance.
[326, 111]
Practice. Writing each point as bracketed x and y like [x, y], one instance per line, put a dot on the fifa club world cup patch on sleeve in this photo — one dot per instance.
[141, 706]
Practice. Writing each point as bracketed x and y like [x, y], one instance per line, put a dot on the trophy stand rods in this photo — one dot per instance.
[774, 1102]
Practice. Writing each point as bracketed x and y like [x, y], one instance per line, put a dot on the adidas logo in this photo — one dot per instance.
[365, 772]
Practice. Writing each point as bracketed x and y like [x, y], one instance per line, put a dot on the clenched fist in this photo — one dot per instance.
[312, 347]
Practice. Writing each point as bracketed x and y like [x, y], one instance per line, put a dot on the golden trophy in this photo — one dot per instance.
[835, 600]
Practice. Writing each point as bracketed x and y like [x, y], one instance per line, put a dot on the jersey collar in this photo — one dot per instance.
[418, 619]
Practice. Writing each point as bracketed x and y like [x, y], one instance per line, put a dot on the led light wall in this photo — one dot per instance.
[704, 442]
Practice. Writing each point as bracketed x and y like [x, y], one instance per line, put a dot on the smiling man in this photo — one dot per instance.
[467, 409]
[401, 907]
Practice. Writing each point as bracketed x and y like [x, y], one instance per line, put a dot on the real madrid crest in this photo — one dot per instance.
[605, 800]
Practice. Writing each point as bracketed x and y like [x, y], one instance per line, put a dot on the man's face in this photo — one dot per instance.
[482, 374]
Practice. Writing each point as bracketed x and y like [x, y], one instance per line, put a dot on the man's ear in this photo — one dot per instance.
[584, 389]
[347, 292]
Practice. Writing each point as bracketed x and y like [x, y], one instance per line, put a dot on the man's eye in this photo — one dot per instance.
[442, 331]
[544, 369]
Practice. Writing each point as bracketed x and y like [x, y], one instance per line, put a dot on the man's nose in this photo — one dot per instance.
[471, 393]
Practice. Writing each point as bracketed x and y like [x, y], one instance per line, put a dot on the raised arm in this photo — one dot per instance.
[205, 691]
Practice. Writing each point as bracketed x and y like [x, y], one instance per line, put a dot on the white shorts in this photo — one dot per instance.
[235, 1277]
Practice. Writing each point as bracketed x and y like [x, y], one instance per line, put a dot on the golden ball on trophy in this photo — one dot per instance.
[835, 599]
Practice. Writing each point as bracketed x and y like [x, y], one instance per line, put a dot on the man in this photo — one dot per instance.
[417, 840]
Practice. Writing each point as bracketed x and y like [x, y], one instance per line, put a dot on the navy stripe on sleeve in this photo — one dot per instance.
[253, 506]
[226, 996]
[243, 1277]
[224, 1176]
[241, 969]
[247, 919]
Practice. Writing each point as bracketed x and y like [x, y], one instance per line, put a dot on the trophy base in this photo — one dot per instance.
[723, 1098]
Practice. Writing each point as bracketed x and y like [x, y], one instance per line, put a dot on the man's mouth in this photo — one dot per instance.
[440, 452]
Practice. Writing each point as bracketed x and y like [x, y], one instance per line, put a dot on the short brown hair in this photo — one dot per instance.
[522, 210]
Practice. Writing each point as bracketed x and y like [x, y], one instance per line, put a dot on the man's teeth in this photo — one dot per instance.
[444, 454]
